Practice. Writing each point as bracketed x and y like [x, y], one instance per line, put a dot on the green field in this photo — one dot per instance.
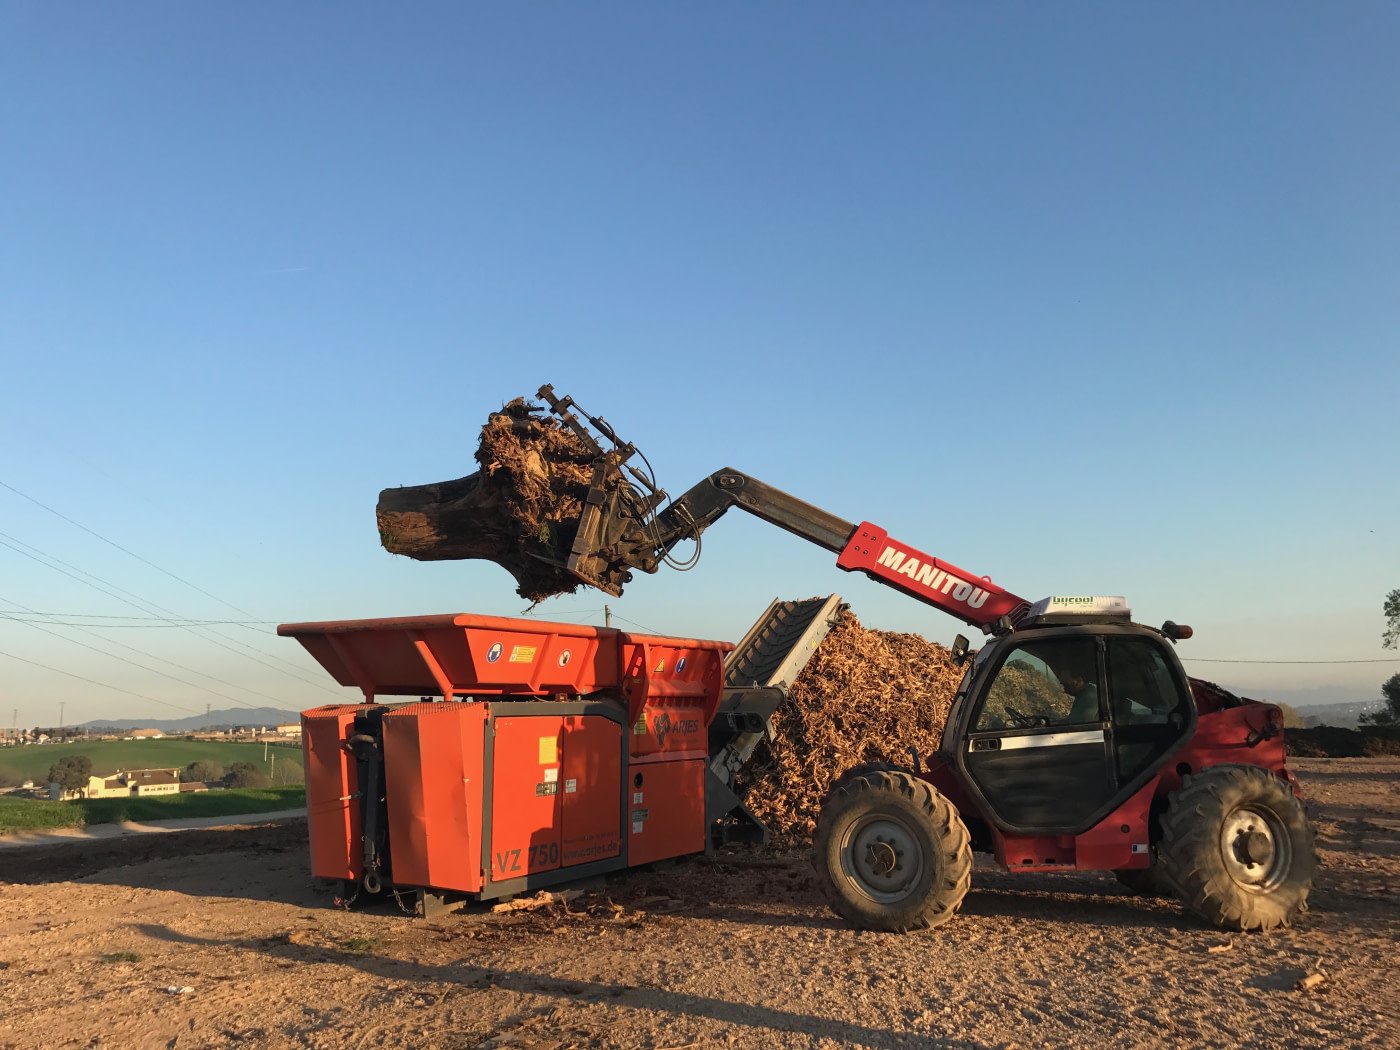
[108, 756]
[24, 814]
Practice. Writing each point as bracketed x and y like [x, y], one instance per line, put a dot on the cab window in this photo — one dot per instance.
[1144, 691]
[1053, 682]
[1149, 706]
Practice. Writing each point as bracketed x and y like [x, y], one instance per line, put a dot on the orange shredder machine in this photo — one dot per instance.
[539, 752]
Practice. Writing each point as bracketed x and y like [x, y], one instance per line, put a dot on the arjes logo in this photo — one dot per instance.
[663, 725]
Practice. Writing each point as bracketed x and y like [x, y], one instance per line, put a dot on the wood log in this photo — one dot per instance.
[519, 510]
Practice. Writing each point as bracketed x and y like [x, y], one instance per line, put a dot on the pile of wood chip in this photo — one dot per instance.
[866, 696]
[520, 510]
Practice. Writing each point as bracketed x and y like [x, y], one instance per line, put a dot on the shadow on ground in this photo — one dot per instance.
[466, 976]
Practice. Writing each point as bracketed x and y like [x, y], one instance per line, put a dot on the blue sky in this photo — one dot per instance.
[1091, 298]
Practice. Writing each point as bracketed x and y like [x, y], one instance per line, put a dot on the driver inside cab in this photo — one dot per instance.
[1081, 685]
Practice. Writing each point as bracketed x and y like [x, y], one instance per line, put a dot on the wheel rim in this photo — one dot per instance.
[883, 858]
[1256, 848]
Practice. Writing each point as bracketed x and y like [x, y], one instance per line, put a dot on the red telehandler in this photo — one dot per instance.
[1076, 741]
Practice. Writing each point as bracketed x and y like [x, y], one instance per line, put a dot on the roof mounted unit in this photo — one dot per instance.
[1083, 609]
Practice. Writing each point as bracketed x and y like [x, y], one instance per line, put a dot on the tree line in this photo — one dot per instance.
[1390, 688]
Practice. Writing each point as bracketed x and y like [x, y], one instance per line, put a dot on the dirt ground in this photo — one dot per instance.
[237, 948]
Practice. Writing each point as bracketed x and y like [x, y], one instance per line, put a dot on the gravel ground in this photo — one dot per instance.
[219, 939]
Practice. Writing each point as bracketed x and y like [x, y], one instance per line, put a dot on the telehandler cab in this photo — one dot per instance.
[1076, 741]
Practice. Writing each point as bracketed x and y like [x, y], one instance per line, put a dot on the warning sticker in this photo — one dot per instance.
[522, 654]
[640, 729]
[636, 827]
[660, 666]
[549, 751]
[636, 798]
[570, 786]
[546, 789]
[551, 775]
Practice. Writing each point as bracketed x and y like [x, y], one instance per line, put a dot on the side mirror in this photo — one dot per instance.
[959, 651]
[1175, 631]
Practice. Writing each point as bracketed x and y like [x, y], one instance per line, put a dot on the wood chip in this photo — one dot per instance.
[1215, 949]
[865, 696]
[1311, 982]
[543, 899]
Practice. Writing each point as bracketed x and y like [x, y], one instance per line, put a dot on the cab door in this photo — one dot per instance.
[1150, 705]
[1038, 748]
[1069, 722]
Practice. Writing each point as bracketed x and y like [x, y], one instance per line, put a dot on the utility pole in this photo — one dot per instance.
[61, 704]
[206, 717]
[264, 749]
[607, 615]
[272, 767]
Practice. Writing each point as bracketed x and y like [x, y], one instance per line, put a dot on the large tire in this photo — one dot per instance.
[891, 853]
[1145, 882]
[858, 771]
[1238, 848]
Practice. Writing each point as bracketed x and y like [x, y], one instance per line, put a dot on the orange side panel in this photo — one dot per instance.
[591, 771]
[525, 795]
[432, 771]
[679, 672]
[666, 812]
[333, 817]
[663, 731]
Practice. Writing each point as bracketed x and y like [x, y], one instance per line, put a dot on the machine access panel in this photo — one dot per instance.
[555, 793]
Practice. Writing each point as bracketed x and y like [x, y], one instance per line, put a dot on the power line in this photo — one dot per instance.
[1203, 660]
[171, 617]
[634, 623]
[145, 606]
[150, 621]
[118, 546]
[102, 685]
[141, 652]
[124, 550]
[143, 667]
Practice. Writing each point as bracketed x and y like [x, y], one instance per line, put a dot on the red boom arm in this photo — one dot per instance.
[972, 599]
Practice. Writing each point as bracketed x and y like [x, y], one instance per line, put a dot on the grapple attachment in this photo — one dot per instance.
[617, 528]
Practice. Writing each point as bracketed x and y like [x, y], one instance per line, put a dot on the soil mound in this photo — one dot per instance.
[865, 696]
[1335, 742]
[520, 510]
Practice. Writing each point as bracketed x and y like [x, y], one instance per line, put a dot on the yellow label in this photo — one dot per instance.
[661, 666]
[640, 729]
[522, 654]
[549, 750]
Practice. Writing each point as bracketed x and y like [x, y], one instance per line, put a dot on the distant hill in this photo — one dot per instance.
[1324, 705]
[225, 719]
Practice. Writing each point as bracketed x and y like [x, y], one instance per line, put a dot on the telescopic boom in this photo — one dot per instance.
[621, 527]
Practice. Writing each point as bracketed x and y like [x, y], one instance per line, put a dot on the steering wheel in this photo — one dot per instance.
[1019, 720]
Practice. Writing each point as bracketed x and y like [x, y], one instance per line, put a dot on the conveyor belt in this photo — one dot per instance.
[757, 677]
[780, 643]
